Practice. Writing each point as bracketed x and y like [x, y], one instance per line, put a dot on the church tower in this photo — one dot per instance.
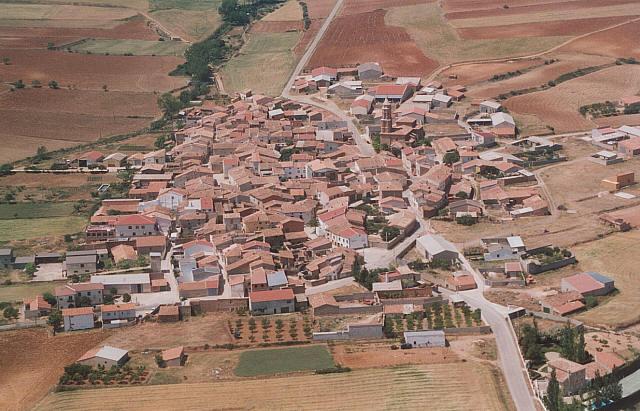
[386, 126]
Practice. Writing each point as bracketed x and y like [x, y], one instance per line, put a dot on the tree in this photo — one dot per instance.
[54, 85]
[126, 297]
[30, 269]
[388, 233]
[105, 88]
[55, 320]
[18, 84]
[41, 154]
[6, 61]
[159, 143]
[553, 400]
[50, 298]
[462, 194]
[160, 361]
[83, 301]
[313, 222]
[451, 157]
[10, 312]
[5, 169]
[169, 105]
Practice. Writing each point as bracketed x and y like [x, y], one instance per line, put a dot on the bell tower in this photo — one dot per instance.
[386, 126]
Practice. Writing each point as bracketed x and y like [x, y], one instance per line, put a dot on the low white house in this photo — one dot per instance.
[78, 318]
[435, 247]
[431, 338]
[349, 237]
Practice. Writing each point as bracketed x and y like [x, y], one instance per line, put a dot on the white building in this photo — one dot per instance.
[431, 338]
[78, 318]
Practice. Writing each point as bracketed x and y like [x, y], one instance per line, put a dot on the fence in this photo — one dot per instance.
[483, 329]
[19, 326]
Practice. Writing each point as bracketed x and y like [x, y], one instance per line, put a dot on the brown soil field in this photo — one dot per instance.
[480, 72]
[276, 26]
[289, 11]
[319, 9]
[46, 180]
[32, 361]
[617, 121]
[355, 355]
[617, 42]
[366, 6]
[365, 37]
[135, 28]
[433, 386]
[462, 9]
[540, 29]
[210, 329]
[125, 73]
[18, 147]
[308, 36]
[558, 106]
[536, 77]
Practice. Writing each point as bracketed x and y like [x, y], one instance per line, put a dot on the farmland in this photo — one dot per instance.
[32, 361]
[432, 386]
[189, 20]
[283, 360]
[247, 69]
[559, 105]
[19, 292]
[35, 210]
[27, 228]
[133, 47]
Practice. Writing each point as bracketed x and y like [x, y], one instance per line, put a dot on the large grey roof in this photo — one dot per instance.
[435, 244]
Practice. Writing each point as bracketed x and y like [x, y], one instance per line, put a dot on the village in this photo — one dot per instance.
[277, 210]
[320, 204]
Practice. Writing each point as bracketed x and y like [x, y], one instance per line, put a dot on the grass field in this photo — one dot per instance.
[135, 47]
[18, 292]
[289, 11]
[35, 210]
[283, 360]
[26, 228]
[62, 12]
[263, 65]
[438, 40]
[464, 386]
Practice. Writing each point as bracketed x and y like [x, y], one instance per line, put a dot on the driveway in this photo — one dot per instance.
[48, 272]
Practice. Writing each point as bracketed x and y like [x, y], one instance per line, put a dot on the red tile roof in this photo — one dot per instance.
[273, 295]
[583, 283]
[117, 307]
[77, 311]
[135, 219]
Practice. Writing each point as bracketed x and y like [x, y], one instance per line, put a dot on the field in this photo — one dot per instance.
[18, 292]
[190, 20]
[602, 44]
[289, 11]
[63, 12]
[559, 105]
[283, 360]
[614, 256]
[135, 47]
[369, 355]
[32, 361]
[27, 228]
[50, 188]
[247, 69]
[427, 386]
[35, 210]
[362, 37]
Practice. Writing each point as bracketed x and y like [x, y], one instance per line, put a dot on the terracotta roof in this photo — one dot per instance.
[200, 285]
[583, 283]
[172, 353]
[168, 310]
[117, 307]
[273, 295]
[135, 219]
[77, 311]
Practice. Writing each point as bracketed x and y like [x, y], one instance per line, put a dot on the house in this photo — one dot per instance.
[205, 288]
[88, 159]
[117, 313]
[168, 314]
[392, 92]
[490, 107]
[123, 252]
[35, 308]
[630, 147]
[78, 318]
[105, 356]
[70, 295]
[461, 281]
[362, 105]
[348, 237]
[80, 264]
[272, 302]
[135, 225]
[434, 247]
[588, 283]
[174, 357]
[369, 71]
[115, 160]
[563, 303]
[570, 375]
[323, 76]
[619, 181]
[431, 338]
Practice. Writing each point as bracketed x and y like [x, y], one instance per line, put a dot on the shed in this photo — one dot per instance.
[107, 356]
[430, 338]
[435, 247]
[174, 357]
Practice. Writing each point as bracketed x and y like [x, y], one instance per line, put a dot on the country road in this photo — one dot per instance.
[365, 148]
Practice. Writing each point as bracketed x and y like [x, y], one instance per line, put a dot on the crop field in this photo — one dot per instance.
[617, 42]
[481, 72]
[63, 12]
[247, 69]
[32, 361]
[135, 47]
[440, 41]
[289, 11]
[362, 37]
[425, 386]
[21, 291]
[26, 228]
[558, 106]
[190, 20]
[283, 360]
[536, 77]
[35, 210]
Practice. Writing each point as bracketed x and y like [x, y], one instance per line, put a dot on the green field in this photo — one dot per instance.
[18, 292]
[264, 64]
[35, 210]
[200, 5]
[440, 41]
[283, 360]
[135, 47]
[27, 228]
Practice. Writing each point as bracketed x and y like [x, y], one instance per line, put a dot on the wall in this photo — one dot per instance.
[483, 329]
[533, 268]
[418, 300]
[220, 305]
